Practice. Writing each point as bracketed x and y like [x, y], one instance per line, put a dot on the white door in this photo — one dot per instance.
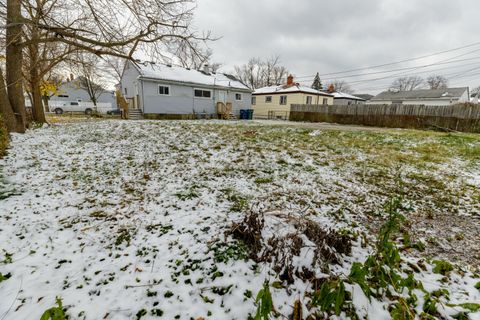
[222, 96]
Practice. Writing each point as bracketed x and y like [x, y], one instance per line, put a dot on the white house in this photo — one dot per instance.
[429, 97]
[342, 98]
[158, 89]
[73, 91]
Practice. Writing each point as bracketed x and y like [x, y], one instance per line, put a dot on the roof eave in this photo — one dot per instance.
[290, 92]
[142, 77]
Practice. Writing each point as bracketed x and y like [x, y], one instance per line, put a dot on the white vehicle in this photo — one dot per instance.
[60, 107]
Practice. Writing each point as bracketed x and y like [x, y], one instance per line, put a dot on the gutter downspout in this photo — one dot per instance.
[143, 100]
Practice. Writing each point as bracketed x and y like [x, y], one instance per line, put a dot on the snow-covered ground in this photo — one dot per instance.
[122, 218]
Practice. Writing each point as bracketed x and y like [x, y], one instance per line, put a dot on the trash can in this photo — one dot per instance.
[243, 114]
[250, 114]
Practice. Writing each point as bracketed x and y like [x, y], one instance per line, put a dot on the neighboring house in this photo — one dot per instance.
[343, 99]
[474, 97]
[275, 101]
[437, 97]
[159, 89]
[364, 96]
[72, 91]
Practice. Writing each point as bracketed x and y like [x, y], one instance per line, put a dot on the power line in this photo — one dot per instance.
[422, 72]
[410, 68]
[396, 62]
[413, 68]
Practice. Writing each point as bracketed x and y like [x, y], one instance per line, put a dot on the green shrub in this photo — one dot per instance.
[264, 303]
[54, 313]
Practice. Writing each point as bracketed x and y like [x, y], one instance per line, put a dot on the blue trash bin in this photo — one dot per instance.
[243, 114]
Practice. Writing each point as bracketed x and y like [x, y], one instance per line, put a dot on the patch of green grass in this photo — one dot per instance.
[159, 228]
[141, 313]
[189, 194]
[263, 180]
[4, 277]
[123, 235]
[442, 267]
[223, 252]
[157, 312]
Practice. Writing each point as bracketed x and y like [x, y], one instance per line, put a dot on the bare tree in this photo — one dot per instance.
[251, 73]
[272, 71]
[194, 57]
[89, 75]
[113, 66]
[102, 27]
[476, 90]
[340, 86]
[437, 82]
[407, 83]
[258, 73]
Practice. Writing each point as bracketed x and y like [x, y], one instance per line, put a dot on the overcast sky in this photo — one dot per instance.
[338, 35]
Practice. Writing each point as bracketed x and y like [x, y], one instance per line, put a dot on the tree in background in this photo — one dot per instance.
[195, 57]
[273, 72]
[341, 86]
[437, 82]
[317, 83]
[259, 73]
[102, 27]
[407, 83]
[476, 90]
[90, 76]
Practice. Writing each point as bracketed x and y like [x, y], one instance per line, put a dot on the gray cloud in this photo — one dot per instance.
[331, 36]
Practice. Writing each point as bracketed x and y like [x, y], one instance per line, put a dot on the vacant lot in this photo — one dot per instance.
[185, 220]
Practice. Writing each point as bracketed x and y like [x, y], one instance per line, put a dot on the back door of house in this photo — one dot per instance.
[222, 96]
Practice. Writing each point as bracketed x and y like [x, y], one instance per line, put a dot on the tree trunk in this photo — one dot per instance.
[45, 99]
[35, 81]
[14, 59]
[37, 107]
[5, 107]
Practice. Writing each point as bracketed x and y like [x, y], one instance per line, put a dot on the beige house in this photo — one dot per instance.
[274, 102]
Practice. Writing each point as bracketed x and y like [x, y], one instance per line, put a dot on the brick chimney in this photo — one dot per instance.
[290, 80]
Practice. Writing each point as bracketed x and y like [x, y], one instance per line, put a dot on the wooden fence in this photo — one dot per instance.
[460, 117]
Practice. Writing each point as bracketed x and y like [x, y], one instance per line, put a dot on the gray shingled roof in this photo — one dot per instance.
[421, 94]
[364, 96]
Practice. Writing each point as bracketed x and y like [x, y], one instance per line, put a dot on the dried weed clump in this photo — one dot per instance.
[281, 249]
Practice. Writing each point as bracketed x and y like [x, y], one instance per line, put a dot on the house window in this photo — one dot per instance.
[283, 100]
[199, 93]
[163, 90]
[325, 101]
[126, 94]
[309, 100]
[268, 99]
[63, 96]
[238, 96]
[254, 101]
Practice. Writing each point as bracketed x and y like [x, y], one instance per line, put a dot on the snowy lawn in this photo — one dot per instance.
[130, 220]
